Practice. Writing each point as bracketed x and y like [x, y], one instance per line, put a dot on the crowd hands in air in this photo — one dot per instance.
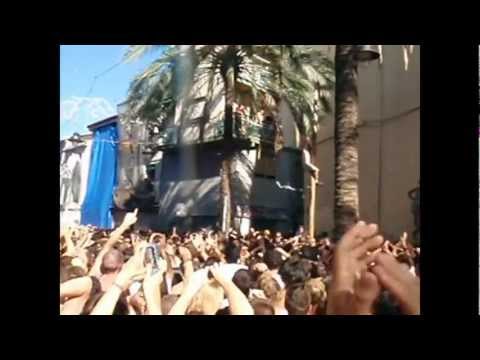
[128, 272]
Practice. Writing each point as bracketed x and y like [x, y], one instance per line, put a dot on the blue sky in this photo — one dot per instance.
[79, 64]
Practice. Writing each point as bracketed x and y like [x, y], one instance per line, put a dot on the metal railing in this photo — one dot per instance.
[169, 137]
[255, 131]
[243, 128]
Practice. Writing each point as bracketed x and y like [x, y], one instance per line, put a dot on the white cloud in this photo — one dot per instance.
[76, 113]
[78, 109]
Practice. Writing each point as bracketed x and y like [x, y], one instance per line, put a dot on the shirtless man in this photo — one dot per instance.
[108, 263]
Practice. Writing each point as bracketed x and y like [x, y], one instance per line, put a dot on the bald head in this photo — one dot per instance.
[112, 261]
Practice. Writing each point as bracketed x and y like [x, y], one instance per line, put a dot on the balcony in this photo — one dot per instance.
[244, 129]
[168, 138]
[256, 132]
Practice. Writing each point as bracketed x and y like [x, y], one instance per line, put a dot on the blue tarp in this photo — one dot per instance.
[102, 179]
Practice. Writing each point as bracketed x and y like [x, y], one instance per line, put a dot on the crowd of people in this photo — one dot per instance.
[131, 272]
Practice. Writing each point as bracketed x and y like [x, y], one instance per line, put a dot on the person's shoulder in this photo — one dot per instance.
[234, 266]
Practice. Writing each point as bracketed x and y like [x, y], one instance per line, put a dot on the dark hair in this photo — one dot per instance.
[195, 312]
[295, 271]
[65, 264]
[254, 274]
[66, 260]
[319, 270]
[177, 278]
[98, 234]
[298, 300]
[323, 234]
[262, 307]
[224, 311]
[384, 306]
[96, 293]
[243, 281]
[287, 247]
[69, 271]
[310, 253]
[167, 303]
[405, 259]
[212, 260]
[232, 252]
[273, 259]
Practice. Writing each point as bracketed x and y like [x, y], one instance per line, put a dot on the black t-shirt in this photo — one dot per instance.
[310, 252]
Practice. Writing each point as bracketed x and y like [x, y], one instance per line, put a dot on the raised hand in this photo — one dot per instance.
[184, 253]
[138, 244]
[162, 239]
[198, 243]
[130, 218]
[402, 284]
[403, 241]
[154, 277]
[170, 250]
[134, 269]
[351, 259]
[367, 290]
[388, 247]
[216, 273]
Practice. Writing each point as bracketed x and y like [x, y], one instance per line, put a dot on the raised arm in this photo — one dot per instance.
[128, 220]
[131, 271]
[67, 235]
[239, 304]
[190, 289]
[353, 254]
[283, 252]
[186, 256]
[75, 287]
[151, 289]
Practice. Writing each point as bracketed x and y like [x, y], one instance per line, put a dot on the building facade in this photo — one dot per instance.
[389, 152]
[74, 169]
[179, 183]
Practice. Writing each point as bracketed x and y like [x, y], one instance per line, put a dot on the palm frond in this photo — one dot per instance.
[134, 52]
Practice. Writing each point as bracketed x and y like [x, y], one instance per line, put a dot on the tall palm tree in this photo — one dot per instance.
[346, 209]
[292, 73]
[306, 81]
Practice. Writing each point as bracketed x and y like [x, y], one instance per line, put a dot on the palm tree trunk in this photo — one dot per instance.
[346, 211]
[228, 76]
[309, 193]
[226, 193]
[311, 207]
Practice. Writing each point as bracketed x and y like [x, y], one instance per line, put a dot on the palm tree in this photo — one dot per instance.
[264, 69]
[346, 210]
[306, 81]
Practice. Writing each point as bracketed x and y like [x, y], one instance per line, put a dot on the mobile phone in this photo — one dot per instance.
[152, 255]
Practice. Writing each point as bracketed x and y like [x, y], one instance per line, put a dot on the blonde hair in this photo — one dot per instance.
[207, 300]
[318, 290]
[270, 287]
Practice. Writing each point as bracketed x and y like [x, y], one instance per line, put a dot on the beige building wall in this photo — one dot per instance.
[389, 154]
[389, 97]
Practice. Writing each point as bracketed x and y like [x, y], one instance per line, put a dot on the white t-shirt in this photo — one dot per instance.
[228, 270]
